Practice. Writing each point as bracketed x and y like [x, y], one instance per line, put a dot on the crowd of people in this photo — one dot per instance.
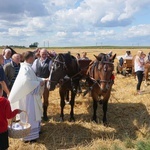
[23, 81]
[24, 84]
[82, 57]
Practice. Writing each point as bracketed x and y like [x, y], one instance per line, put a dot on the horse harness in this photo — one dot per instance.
[105, 68]
[66, 78]
[99, 81]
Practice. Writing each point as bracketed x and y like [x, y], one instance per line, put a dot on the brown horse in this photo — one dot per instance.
[100, 79]
[65, 70]
[146, 71]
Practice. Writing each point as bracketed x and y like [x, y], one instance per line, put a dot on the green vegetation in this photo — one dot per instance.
[129, 143]
[34, 45]
[102, 47]
[143, 145]
[90, 47]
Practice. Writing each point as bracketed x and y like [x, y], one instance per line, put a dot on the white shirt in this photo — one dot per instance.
[137, 66]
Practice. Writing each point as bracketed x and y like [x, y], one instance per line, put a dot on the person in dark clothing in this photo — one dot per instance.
[3, 77]
[41, 67]
[11, 70]
[121, 61]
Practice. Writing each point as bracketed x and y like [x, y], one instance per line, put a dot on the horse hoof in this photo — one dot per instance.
[94, 121]
[61, 120]
[45, 118]
[72, 120]
[105, 124]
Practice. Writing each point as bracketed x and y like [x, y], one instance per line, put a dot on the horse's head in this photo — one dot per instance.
[105, 67]
[62, 65]
[57, 71]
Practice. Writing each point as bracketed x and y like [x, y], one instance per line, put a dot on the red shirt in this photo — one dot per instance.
[5, 113]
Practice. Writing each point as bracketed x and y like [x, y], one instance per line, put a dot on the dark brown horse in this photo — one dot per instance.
[65, 70]
[100, 79]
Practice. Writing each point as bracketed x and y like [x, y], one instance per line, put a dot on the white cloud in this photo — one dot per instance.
[63, 3]
[109, 17]
[138, 31]
[76, 33]
[88, 33]
[73, 21]
[106, 33]
[61, 34]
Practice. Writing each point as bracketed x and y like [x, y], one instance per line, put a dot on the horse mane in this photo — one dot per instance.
[66, 57]
[70, 61]
[102, 57]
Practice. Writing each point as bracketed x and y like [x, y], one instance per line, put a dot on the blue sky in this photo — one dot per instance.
[75, 22]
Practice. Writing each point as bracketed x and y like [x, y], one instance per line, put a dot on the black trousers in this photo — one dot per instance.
[139, 75]
[4, 140]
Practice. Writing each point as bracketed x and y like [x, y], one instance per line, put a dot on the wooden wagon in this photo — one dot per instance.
[124, 65]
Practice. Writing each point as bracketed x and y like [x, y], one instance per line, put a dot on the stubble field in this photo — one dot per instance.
[128, 116]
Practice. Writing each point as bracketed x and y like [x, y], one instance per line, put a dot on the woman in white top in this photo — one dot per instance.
[139, 69]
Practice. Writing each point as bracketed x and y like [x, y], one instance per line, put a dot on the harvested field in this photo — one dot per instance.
[128, 116]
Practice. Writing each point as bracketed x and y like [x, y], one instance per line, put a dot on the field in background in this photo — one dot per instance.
[128, 116]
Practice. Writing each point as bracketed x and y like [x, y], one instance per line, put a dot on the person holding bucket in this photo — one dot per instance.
[5, 113]
[26, 94]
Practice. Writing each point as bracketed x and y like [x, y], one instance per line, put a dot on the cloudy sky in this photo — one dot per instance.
[75, 22]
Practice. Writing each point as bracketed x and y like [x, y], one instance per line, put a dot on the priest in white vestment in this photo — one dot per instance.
[26, 95]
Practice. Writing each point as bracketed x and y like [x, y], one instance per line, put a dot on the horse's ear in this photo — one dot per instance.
[99, 57]
[113, 57]
[96, 57]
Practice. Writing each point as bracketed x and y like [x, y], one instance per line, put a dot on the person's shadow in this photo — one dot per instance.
[68, 135]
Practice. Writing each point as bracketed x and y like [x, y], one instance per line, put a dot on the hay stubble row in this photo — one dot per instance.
[128, 116]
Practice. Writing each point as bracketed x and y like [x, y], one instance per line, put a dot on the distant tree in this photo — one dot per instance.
[35, 44]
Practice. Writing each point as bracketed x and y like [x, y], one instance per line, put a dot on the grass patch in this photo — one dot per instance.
[116, 147]
[143, 145]
[129, 143]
